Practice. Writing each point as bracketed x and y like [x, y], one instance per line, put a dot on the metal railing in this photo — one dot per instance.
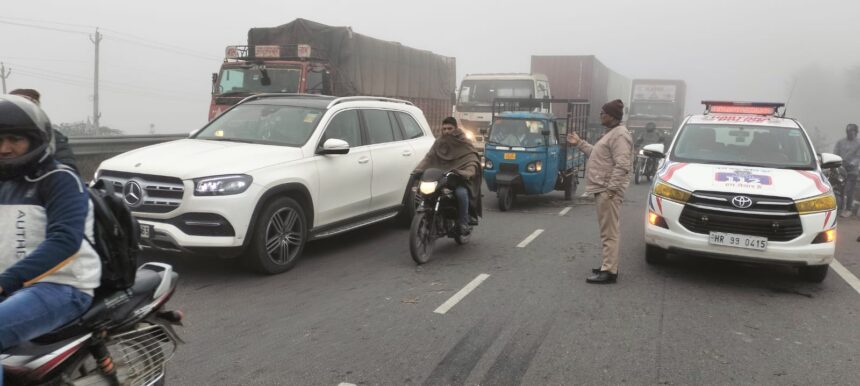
[117, 143]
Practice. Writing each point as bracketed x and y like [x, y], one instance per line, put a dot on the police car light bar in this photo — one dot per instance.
[754, 108]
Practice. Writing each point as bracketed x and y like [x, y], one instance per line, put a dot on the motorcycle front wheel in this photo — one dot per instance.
[421, 238]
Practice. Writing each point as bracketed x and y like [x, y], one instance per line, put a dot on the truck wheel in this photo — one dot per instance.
[569, 187]
[814, 273]
[506, 198]
[654, 255]
[280, 234]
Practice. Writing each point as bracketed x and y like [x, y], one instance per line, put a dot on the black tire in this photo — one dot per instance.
[421, 239]
[280, 235]
[655, 255]
[569, 187]
[637, 175]
[506, 198]
[814, 273]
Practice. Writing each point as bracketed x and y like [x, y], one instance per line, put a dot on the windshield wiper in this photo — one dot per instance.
[234, 93]
[227, 140]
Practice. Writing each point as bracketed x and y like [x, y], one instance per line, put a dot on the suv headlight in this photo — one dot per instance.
[222, 185]
[427, 188]
[670, 192]
[821, 203]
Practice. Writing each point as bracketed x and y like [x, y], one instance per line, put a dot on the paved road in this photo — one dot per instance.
[357, 310]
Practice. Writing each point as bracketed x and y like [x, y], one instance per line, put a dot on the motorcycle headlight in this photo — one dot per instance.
[670, 192]
[534, 167]
[427, 187]
[222, 185]
[641, 152]
[470, 135]
[821, 203]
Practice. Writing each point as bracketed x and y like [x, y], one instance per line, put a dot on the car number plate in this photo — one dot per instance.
[738, 241]
[145, 231]
[510, 155]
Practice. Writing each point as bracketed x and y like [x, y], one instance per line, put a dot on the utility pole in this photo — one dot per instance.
[4, 74]
[96, 39]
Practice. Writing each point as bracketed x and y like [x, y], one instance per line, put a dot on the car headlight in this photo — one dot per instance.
[488, 164]
[821, 203]
[534, 167]
[427, 187]
[222, 185]
[670, 192]
[470, 135]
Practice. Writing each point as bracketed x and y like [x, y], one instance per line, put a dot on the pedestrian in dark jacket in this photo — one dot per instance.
[62, 152]
[48, 272]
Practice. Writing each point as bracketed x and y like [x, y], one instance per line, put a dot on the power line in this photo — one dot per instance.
[85, 80]
[48, 22]
[43, 27]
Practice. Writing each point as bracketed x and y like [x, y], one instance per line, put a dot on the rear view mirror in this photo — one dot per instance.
[334, 146]
[654, 150]
[830, 161]
[544, 132]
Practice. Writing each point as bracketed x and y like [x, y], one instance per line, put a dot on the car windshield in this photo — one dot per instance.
[655, 109]
[517, 132]
[265, 124]
[250, 80]
[773, 147]
[482, 92]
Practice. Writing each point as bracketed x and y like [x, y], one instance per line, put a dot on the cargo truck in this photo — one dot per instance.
[657, 101]
[582, 77]
[308, 57]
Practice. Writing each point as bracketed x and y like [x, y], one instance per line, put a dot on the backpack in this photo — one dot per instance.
[116, 237]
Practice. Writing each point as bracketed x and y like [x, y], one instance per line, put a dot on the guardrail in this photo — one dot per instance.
[117, 143]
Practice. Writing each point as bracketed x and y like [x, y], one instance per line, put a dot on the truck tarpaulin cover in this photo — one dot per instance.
[364, 65]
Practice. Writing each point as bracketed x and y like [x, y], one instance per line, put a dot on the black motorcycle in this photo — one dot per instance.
[125, 338]
[643, 167]
[436, 214]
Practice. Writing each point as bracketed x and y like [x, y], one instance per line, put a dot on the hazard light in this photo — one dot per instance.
[754, 108]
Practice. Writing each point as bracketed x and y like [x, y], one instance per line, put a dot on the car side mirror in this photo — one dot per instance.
[830, 161]
[334, 146]
[654, 150]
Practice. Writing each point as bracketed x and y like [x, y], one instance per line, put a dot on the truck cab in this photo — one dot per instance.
[250, 70]
[477, 92]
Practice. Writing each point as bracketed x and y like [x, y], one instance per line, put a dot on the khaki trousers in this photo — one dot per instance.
[609, 219]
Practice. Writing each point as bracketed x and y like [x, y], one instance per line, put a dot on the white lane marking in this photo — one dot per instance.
[564, 211]
[529, 239]
[849, 277]
[450, 303]
[345, 384]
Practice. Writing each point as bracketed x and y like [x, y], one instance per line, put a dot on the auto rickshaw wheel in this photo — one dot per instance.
[506, 198]
[569, 187]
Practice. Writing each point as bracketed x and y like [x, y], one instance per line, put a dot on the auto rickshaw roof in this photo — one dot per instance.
[525, 115]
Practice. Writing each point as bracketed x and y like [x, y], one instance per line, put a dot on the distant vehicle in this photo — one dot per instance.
[311, 58]
[582, 77]
[436, 214]
[657, 101]
[477, 92]
[527, 152]
[741, 182]
[274, 172]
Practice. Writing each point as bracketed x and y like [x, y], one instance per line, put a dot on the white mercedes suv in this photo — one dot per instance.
[272, 173]
[742, 182]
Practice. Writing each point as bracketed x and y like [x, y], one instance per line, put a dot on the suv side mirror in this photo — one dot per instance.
[334, 146]
[830, 161]
[654, 150]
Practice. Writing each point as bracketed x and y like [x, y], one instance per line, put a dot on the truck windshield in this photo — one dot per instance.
[656, 109]
[265, 124]
[517, 132]
[772, 147]
[482, 92]
[239, 80]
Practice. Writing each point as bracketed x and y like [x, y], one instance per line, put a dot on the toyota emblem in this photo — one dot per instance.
[132, 194]
[742, 202]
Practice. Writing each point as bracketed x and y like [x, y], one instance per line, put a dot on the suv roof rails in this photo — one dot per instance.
[367, 98]
[281, 95]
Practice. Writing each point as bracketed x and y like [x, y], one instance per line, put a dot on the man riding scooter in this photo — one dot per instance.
[644, 166]
[453, 152]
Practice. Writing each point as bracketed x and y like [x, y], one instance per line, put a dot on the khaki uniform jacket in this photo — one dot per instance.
[610, 162]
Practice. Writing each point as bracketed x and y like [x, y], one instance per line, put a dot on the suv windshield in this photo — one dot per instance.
[250, 80]
[517, 132]
[266, 124]
[482, 92]
[773, 147]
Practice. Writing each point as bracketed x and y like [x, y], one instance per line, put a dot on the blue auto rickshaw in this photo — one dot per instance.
[526, 152]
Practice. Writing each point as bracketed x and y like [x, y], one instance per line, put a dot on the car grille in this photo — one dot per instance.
[773, 217]
[161, 194]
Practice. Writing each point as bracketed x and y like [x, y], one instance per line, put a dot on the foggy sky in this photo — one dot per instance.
[734, 50]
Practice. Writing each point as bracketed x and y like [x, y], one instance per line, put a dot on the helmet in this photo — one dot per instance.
[19, 115]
